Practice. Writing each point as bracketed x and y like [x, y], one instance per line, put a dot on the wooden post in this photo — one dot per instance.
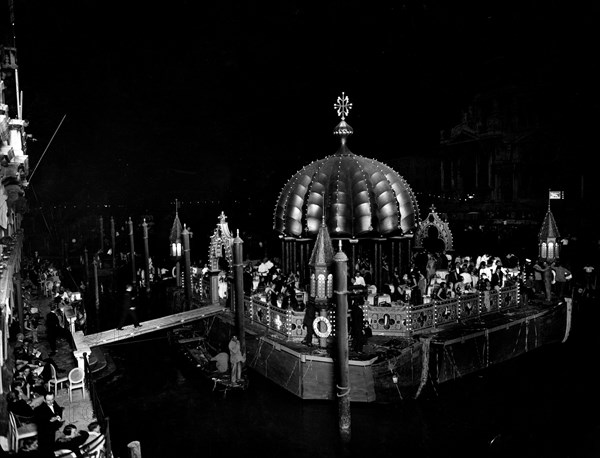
[146, 257]
[238, 273]
[135, 450]
[187, 281]
[340, 290]
[132, 253]
[113, 242]
[101, 234]
[96, 288]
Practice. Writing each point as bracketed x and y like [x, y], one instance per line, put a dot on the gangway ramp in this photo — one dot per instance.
[83, 342]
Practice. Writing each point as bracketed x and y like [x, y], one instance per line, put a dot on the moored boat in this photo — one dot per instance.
[395, 364]
[192, 347]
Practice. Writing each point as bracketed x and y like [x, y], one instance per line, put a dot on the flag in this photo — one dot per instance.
[556, 195]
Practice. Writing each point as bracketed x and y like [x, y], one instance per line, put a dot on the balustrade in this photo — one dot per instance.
[397, 319]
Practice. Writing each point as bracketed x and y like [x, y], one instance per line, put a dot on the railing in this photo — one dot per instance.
[101, 418]
[288, 322]
[398, 319]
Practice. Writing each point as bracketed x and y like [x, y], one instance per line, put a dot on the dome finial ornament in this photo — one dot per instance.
[343, 106]
[343, 129]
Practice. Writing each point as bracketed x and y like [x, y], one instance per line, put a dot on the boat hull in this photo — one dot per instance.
[403, 366]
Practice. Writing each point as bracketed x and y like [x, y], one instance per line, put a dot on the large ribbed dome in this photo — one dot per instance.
[355, 196]
[360, 197]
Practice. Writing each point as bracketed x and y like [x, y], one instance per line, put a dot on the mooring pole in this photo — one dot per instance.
[135, 449]
[101, 234]
[187, 281]
[132, 253]
[113, 242]
[146, 257]
[340, 278]
[96, 288]
[87, 267]
[238, 275]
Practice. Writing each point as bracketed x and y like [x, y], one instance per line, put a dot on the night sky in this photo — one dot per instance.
[225, 100]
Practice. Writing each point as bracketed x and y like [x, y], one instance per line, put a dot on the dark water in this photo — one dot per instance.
[544, 404]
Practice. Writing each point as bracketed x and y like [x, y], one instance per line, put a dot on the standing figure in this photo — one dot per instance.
[357, 327]
[309, 318]
[128, 308]
[236, 358]
[48, 418]
[54, 330]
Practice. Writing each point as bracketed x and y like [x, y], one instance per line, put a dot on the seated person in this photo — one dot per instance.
[25, 354]
[19, 407]
[92, 443]
[35, 382]
[93, 431]
[72, 439]
[19, 384]
[29, 448]
[221, 361]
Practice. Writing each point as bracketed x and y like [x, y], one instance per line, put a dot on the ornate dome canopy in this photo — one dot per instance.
[359, 196]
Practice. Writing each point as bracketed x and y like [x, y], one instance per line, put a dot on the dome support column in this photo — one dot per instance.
[377, 264]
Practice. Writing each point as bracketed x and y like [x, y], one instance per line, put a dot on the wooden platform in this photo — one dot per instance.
[114, 335]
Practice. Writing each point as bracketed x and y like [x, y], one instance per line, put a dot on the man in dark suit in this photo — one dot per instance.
[48, 418]
[55, 331]
[52, 329]
[128, 308]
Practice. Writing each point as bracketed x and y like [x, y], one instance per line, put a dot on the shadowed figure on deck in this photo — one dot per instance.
[128, 308]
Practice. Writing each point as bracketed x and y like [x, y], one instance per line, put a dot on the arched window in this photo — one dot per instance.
[329, 285]
[544, 250]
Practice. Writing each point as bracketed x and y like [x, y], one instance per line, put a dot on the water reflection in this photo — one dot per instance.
[534, 406]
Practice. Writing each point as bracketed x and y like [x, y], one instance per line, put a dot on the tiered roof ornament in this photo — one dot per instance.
[548, 237]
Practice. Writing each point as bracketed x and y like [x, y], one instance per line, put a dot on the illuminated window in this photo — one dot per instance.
[329, 285]
[321, 285]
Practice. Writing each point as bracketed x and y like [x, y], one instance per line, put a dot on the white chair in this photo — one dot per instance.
[64, 453]
[96, 447]
[76, 380]
[17, 433]
[54, 380]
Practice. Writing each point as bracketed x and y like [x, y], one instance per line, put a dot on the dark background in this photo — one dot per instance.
[218, 104]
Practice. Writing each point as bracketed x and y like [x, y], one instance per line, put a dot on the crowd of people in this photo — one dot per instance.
[31, 397]
[436, 278]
